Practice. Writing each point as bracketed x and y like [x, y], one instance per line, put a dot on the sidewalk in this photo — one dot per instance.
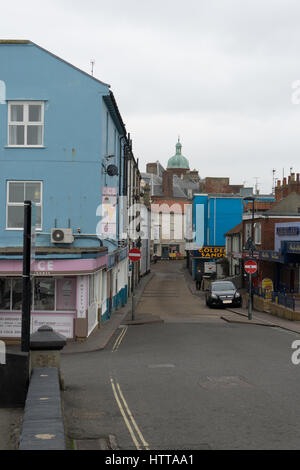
[100, 337]
[240, 315]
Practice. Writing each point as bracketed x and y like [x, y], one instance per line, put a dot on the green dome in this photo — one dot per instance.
[178, 160]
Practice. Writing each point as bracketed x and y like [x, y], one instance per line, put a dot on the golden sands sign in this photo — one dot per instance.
[211, 252]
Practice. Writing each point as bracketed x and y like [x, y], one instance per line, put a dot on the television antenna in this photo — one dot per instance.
[92, 64]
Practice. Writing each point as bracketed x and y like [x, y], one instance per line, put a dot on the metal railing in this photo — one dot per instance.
[284, 299]
[279, 297]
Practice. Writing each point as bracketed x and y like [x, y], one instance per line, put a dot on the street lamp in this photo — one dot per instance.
[250, 246]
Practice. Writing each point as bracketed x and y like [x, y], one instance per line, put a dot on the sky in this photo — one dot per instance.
[224, 75]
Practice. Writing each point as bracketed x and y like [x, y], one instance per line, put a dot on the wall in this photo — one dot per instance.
[72, 143]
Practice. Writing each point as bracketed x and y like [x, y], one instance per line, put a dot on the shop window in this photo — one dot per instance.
[17, 294]
[44, 294]
[5, 294]
[66, 294]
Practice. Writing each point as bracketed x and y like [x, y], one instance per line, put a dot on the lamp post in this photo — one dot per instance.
[250, 246]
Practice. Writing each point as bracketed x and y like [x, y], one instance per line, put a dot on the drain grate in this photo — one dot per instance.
[100, 443]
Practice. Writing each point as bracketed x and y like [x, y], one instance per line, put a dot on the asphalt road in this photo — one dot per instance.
[192, 382]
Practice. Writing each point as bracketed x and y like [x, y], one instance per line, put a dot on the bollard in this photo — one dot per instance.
[45, 346]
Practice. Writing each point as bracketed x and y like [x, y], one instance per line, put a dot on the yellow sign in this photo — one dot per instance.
[267, 285]
[212, 252]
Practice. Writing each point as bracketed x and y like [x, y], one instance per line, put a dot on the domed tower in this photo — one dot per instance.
[178, 164]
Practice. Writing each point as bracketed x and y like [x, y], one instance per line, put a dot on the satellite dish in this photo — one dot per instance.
[112, 170]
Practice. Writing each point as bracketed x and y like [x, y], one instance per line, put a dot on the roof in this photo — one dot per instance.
[235, 230]
[290, 205]
[30, 43]
[178, 160]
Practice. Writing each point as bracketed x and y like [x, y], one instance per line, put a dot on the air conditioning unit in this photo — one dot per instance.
[62, 235]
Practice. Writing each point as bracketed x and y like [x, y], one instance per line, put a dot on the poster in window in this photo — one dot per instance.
[66, 294]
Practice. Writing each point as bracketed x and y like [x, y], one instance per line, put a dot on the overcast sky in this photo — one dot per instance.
[219, 73]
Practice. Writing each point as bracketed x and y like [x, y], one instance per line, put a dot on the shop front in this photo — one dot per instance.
[205, 260]
[67, 294]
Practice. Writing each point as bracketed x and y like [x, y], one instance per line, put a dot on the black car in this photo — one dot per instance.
[223, 293]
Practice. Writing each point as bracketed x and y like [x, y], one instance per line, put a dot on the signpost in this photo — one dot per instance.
[250, 268]
[26, 304]
[134, 256]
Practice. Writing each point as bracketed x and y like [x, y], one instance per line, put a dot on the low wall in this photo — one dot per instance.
[266, 305]
[43, 427]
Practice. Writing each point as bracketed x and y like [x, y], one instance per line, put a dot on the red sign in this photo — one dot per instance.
[134, 254]
[250, 266]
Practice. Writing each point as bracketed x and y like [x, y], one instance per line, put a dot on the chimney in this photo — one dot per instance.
[167, 184]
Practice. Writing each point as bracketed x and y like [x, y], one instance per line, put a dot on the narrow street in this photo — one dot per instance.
[192, 381]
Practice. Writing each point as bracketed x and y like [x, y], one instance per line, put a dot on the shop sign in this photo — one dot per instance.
[288, 231]
[210, 252]
[267, 285]
[62, 324]
[269, 255]
[210, 268]
[82, 296]
[293, 247]
[10, 325]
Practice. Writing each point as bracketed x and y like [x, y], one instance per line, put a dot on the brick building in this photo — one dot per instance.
[275, 258]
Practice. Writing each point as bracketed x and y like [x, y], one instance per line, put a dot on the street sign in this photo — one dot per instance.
[250, 266]
[134, 255]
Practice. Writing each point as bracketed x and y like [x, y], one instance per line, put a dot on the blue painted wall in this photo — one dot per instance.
[220, 215]
[78, 132]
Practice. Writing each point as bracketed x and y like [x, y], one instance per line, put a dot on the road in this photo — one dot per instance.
[191, 382]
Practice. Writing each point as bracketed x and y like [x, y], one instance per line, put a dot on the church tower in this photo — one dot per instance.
[178, 164]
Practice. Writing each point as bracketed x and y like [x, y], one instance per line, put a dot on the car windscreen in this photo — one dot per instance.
[222, 286]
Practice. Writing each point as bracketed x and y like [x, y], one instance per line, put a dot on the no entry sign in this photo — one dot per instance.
[250, 266]
[134, 254]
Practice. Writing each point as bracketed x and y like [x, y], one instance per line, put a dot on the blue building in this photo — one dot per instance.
[64, 146]
[213, 216]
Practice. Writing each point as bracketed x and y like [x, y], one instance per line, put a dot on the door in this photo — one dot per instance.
[165, 252]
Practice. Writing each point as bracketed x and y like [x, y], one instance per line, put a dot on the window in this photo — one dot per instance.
[25, 124]
[248, 230]
[5, 291]
[17, 193]
[257, 233]
[44, 294]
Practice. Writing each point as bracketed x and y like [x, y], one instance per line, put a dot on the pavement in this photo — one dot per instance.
[240, 315]
[123, 316]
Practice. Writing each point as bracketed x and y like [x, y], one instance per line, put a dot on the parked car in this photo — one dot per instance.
[223, 293]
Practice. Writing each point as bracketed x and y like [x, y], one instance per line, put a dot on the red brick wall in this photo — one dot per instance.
[167, 184]
[221, 185]
[292, 185]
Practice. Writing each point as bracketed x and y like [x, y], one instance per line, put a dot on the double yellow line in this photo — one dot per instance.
[130, 422]
[119, 339]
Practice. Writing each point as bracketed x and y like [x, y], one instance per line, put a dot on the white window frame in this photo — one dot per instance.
[25, 122]
[40, 204]
[257, 233]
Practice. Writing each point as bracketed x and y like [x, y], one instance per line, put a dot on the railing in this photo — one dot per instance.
[280, 297]
[283, 299]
